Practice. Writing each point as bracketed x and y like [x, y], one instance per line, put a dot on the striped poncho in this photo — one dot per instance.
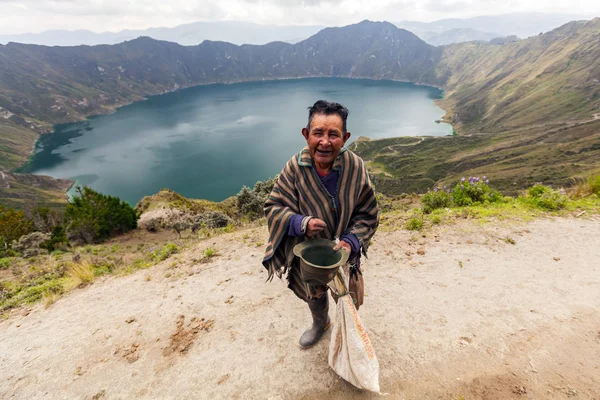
[298, 190]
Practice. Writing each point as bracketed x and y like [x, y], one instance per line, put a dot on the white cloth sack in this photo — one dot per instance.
[351, 354]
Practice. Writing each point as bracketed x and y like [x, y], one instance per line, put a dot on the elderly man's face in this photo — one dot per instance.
[325, 139]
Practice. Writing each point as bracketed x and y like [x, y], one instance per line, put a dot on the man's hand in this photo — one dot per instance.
[343, 245]
[315, 226]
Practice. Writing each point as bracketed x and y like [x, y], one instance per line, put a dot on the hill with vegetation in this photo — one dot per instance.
[557, 156]
[527, 111]
[523, 92]
[24, 191]
[549, 78]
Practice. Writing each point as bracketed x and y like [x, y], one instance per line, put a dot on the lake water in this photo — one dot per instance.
[208, 141]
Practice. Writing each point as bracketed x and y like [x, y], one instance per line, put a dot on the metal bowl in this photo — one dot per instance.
[318, 261]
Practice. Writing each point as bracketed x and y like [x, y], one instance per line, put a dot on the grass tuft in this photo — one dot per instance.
[82, 273]
[167, 251]
[210, 252]
[5, 263]
[49, 297]
[415, 223]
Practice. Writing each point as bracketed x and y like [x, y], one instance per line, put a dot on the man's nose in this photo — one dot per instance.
[325, 141]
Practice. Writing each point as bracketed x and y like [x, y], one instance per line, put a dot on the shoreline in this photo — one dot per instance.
[115, 107]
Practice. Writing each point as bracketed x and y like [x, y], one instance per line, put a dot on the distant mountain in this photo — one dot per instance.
[457, 35]
[437, 33]
[187, 34]
[504, 40]
[520, 24]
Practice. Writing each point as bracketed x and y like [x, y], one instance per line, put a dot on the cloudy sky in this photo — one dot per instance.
[19, 16]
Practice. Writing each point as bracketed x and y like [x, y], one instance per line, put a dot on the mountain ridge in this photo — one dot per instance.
[524, 24]
[186, 34]
[520, 24]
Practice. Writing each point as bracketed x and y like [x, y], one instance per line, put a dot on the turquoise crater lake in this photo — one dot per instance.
[208, 141]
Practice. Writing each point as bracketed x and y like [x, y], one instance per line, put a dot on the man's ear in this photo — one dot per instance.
[305, 133]
[346, 137]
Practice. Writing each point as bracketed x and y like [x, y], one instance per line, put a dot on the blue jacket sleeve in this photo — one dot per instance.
[295, 225]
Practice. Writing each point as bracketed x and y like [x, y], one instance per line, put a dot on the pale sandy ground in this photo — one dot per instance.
[515, 321]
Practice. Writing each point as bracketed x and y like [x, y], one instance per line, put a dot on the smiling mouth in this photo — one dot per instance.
[324, 152]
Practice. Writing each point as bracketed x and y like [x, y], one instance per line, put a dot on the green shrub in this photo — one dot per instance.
[384, 203]
[167, 251]
[215, 219]
[545, 198]
[94, 217]
[264, 188]
[103, 267]
[210, 252]
[436, 220]
[594, 182]
[435, 199]
[5, 263]
[475, 191]
[57, 238]
[415, 223]
[13, 294]
[251, 202]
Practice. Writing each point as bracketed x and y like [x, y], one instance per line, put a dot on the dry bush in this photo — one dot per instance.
[29, 245]
[50, 297]
[82, 273]
[585, 187]
[581, 188]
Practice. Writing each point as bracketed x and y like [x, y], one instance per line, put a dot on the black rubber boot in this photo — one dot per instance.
[319, 309]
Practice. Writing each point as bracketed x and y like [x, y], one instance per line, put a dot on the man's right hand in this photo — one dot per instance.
[315, 226]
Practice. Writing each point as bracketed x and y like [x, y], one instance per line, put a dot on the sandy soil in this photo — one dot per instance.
[459, 314]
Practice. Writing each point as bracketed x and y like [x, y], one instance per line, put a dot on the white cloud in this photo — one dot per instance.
[100, 15]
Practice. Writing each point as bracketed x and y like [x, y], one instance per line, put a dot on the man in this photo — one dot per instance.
[325, 192]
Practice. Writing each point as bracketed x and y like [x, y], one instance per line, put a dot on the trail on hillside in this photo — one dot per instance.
[460, 311]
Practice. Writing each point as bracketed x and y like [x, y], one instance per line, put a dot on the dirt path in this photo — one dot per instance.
[459, 314]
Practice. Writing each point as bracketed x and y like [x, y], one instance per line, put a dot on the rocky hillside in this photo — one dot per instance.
[554, 77]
